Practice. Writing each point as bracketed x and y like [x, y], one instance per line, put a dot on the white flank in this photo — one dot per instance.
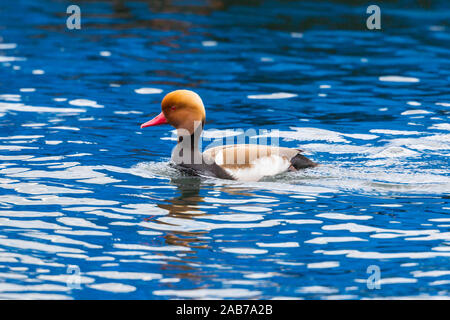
[261, 167]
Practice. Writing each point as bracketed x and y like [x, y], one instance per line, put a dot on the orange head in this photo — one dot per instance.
[183, 109]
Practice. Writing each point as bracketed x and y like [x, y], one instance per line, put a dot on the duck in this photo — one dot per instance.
[184, 110]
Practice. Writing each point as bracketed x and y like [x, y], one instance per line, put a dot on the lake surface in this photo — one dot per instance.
[90, 209]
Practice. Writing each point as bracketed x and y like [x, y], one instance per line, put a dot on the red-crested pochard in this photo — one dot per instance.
[184, 110]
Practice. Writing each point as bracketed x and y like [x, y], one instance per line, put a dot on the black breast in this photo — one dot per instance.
[209, 170]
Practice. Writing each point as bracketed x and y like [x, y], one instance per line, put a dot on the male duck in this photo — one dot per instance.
[184, 110]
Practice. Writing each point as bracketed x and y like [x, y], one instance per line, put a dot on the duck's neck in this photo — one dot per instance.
[187, 148]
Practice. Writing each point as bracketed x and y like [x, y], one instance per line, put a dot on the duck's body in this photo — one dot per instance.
[250, 162]
[245, 162]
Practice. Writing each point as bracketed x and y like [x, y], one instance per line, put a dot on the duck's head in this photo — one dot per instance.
[183, 109]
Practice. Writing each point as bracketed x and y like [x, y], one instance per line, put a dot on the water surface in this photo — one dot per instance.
[84, 191]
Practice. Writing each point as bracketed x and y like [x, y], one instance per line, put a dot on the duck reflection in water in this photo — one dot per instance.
[185, 206]
[188, 206]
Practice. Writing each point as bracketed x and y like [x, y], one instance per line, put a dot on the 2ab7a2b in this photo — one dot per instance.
[261, 309]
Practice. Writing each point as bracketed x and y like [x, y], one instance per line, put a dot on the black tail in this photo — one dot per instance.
[301, 162]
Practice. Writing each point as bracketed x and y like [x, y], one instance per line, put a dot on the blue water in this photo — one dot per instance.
[90, 209]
